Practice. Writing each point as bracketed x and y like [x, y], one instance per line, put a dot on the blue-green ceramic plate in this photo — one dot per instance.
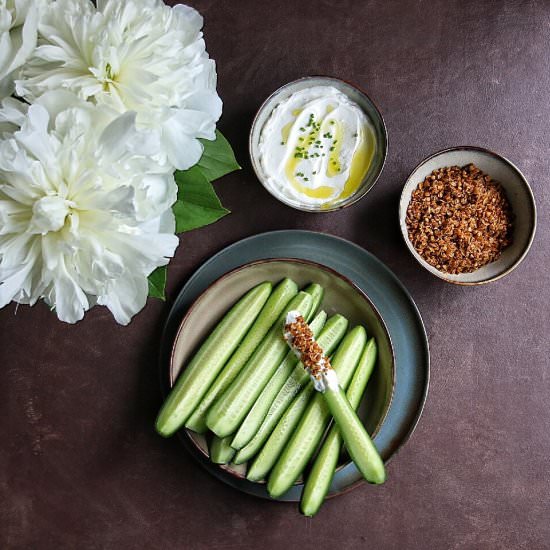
[392, 300]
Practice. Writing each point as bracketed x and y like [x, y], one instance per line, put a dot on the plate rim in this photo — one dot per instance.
[224, 251]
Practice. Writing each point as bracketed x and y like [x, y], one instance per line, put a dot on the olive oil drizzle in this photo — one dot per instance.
[325, 154]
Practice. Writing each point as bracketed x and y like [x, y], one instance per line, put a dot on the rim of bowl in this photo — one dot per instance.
[356, 196]
[188, 433]
[441, 275]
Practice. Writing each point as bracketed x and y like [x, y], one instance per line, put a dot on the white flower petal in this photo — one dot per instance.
[155, 194]
[13, 217]
[113, 139]
[165, 223]
[194, 123]
[70, 301]
[182, 151]
[188, 16]
[207, 102]
[33, 135]
[126, 296]
[18, 35]
[107, 265]
[48, 214]
[13, 112]
[12, 286]
[17, 271]
[55, 102]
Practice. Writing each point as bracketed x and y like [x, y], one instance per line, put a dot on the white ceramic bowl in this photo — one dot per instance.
[353, 93]
[519, 195]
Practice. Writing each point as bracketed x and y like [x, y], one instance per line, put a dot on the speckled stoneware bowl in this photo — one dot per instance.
[519, 195]
[341, 296]
[353, 93]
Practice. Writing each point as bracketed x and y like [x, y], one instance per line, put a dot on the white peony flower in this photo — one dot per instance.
[18, 26]
[85, 217]
[135, 55]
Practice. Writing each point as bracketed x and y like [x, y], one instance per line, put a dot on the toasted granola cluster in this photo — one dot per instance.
[459, 219]
[311, 353]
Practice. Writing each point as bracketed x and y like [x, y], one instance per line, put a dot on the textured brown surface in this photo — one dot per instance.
[80, 465]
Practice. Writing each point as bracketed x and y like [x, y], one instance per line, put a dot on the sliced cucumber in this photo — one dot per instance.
[316, 292]
[278, 439]
[280, 297]
[226, 414]
[314, 422]
[255, 416]
[324, 466]
[329, 339]
[360, 447]
[221, 451]
[203, 368]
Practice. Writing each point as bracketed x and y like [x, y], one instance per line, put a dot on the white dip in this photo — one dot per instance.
[316, 147]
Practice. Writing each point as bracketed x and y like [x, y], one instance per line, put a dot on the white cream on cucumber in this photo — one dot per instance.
[315, 361]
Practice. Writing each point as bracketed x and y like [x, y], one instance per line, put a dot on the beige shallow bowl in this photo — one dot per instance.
[519, 195]
[341, 296]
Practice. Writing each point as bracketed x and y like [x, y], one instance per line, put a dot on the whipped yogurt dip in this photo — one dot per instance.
[316, 147]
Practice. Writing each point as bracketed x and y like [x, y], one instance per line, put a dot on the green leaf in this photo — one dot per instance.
[157, 283]
[218, 158]
[197, 203]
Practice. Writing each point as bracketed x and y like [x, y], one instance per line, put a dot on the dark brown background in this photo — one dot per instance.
[80, 464]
